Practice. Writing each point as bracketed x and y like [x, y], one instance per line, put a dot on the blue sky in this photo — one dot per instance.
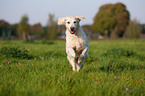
[38, 10]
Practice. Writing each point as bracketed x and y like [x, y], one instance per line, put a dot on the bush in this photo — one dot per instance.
[15, 52]
[117, 52]
[28, 41]
[47, 42]
[118, 65]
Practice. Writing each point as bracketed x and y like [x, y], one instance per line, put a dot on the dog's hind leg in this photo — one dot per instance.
[86, 55]
[80, 65]
[81, 61]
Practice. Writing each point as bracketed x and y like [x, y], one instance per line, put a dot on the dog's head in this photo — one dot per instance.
[71, 23]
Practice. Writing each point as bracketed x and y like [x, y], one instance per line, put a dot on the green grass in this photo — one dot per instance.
[49, 73]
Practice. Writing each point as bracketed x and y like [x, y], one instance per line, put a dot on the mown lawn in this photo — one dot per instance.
[114, 68]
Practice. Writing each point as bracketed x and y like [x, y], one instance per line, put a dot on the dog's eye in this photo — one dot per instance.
[75, 22]
[68, 22]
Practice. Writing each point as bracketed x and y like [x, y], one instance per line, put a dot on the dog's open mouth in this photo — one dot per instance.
[72, 32]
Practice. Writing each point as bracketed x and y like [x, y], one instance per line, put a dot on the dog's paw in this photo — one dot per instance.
[74, 69]
[81, 58]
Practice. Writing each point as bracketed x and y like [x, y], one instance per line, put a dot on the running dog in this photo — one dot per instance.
[77, 44]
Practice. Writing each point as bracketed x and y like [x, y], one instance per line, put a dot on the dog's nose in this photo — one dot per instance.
[72, 28]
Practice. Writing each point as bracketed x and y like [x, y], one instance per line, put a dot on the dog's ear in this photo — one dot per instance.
[61, 20]
[81, 18]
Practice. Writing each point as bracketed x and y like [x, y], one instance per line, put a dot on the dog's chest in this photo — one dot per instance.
[80, 44]
[77, 43]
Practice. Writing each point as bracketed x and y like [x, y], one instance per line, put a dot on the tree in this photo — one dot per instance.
[4, 26]
[133, 30]
[7, 30]
[111, 17]
[23, 28]
[13, 29]
[143, 28]
[36, 30]
[52, 27]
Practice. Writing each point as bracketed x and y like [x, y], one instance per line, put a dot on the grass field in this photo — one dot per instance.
[114, 68]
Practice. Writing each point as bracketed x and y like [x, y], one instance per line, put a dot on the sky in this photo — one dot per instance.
[38, 10]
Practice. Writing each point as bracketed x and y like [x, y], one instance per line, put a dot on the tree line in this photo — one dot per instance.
[24, 30]
[112, 21]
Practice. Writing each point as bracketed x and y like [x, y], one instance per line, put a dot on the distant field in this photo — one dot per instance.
[114, 68]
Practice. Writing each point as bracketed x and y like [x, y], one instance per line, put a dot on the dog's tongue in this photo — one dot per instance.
[72, 32]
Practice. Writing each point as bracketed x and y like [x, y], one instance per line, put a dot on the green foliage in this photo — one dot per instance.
[113, 18]
[15, 52]
[36, 30]
[133, 30]
[143, 28]
[52, 27]
[23, 28]
[13, 28]
[4, 26]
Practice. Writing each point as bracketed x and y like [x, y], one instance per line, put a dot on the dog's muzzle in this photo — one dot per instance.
[72, 30]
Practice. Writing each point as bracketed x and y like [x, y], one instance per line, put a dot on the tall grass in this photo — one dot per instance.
[107, 72]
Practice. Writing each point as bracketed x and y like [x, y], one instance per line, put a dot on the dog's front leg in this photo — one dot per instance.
[72, 61]
[72, 57]
[72, 52]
